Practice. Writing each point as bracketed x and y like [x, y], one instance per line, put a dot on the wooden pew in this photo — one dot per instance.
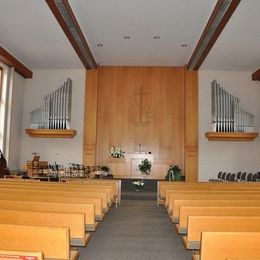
[52, 241]
[197, 224]
[185, 212]
[57, 185]
[63, 192]
[219, 202]
[75, 222]
[170, 193]
[211, 196]
[87, 209]
[35, 196]
[234, 245]
[163, 186]
[22, 255]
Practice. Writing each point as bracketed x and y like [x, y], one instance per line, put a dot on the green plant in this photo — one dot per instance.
[145, 167]
[174, 173]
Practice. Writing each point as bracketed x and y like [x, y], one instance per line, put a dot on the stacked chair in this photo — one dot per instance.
[239, 177]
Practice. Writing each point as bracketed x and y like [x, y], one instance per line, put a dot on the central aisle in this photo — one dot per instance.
[137, 230]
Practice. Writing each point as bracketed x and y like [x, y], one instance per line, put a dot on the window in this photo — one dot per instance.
[6, 87]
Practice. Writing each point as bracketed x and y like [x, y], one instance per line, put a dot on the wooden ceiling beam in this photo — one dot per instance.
[63, 13]
[11, 61]
[256, 75]
[220, 16]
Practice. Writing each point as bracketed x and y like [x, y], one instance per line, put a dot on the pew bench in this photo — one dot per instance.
[22, 255]
[74, 221]
[241, 245]
[52, 241]
[185, 212]
[177, 204]
[87, 209]
[211, 196]
[34, 196]
[198, 224]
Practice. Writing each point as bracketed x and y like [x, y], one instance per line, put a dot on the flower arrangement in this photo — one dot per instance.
[145, 167]
[174, 173]
[116, 152]
[138, 185]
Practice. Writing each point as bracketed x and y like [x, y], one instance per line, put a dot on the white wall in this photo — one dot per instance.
[217, 156]
[16, 122]
[64, 150]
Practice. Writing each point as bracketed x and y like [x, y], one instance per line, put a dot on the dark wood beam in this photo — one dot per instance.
[11, 61]
[256, 75]
[70, 26]
[221, 14]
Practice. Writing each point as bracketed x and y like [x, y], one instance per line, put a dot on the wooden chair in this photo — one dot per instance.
[52, 241]
[241, 245]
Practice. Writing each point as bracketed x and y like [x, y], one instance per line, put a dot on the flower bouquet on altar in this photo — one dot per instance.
[139, 185]
[116, 152]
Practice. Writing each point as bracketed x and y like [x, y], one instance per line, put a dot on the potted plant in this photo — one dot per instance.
[145, 167]
[105, 169]
[174, 173]
[139, 185]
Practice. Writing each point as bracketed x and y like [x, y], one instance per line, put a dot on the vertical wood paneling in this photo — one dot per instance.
[191, 126]
[90, 122]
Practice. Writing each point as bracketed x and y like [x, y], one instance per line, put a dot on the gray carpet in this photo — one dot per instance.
[137, 230]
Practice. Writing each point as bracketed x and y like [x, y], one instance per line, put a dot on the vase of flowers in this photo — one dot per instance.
[116, 152]
[145, 167]
[138, 185]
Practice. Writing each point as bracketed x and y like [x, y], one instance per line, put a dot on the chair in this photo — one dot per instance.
[219, 175]
[238, 176]
[243, 176]
[228, 176]
[223, 176]
[255, 177]
[249, 177]
[232, 177]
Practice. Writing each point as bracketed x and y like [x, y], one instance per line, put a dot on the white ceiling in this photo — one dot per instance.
[30, 31]
[238, 47]
[175, 21]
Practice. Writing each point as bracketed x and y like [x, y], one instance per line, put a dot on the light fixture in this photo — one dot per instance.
[184, 45]
[100, 45]
[127, 37]
[156, 37]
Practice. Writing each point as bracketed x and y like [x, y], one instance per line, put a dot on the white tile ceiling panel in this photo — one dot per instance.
[175, 21]
[29, 30]
[238, 47]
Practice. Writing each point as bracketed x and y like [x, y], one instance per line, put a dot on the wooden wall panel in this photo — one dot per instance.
[156, 107]
[154, 119]
[90, 122]
[191, 126]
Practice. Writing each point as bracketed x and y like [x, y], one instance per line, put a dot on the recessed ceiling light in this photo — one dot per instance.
[100, 45]
[184, 45]
[156, 37]
[127, 37]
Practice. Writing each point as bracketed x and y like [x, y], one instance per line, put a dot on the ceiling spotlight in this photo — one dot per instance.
[127, 37]
[156, 37]
[100, 45]
[184, 45]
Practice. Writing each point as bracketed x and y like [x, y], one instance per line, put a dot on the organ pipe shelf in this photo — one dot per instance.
[51, 133]
[231, 136]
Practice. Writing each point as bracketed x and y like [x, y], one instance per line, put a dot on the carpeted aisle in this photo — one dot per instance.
[137, 230]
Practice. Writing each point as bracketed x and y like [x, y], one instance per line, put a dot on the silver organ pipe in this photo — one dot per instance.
[227, 113]
[55, 112]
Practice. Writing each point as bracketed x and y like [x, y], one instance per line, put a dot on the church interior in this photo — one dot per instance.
[129, 129]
